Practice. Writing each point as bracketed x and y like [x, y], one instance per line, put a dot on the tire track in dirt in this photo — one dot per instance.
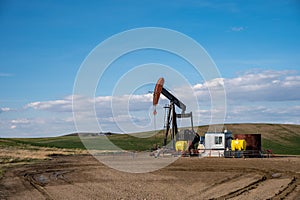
[220, 182]
[265, 188]
[39, 188]
[221, 191]
[288, 186]
[292, 185]
[42, 174]
[232, 183]
[40, 179]
[242, 190]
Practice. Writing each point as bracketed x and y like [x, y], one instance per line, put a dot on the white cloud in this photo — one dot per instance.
[5, 109]
[64, 105]
[102, 103]
[264, 113]
[237, 28]
[20, 121]
[44, 126]
[256, 86]
[13, 126]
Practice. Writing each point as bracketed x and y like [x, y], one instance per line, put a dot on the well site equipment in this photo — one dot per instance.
[188, 142]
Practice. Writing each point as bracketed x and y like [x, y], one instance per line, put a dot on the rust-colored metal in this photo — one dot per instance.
[253, 141]
[157, 91]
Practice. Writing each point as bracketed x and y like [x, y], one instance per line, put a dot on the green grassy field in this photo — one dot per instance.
[124, 141]
[282, 139]
[71, 142]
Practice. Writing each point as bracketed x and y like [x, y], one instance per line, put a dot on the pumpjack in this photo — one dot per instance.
[171, 118]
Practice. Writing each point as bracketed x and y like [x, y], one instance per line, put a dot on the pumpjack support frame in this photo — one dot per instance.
[171, 112]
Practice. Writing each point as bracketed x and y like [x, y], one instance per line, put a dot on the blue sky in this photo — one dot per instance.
[254, 44]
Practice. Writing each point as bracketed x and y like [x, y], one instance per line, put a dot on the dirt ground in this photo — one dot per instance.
[84, 177]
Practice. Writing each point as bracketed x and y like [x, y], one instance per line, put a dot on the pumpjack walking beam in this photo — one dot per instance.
[173, 99]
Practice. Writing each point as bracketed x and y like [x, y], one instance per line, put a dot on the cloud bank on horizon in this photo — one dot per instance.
[256, 96]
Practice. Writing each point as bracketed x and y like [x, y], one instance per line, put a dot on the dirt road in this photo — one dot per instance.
[83, 177]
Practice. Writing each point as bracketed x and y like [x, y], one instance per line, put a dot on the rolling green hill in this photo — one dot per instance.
[281, 138]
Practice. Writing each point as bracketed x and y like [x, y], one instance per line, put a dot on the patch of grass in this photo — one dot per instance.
[136, 143]
[124, 141]
[131, 142]
[71, 142]
[281, 147]
[5, 142]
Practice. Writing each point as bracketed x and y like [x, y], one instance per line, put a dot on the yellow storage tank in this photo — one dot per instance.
[201, 148]
[238, 145]
[181, 145]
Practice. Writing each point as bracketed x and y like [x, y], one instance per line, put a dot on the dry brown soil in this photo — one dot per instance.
[83, 177]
